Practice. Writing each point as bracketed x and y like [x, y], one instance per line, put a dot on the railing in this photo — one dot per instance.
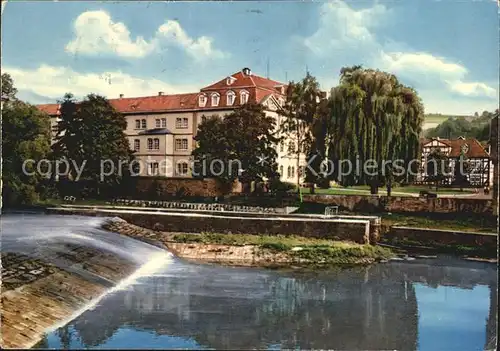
[198, 206]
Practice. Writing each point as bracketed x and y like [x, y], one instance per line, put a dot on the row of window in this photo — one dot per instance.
[180, 123]
[291, 147]
[230, 98]
[291, 171]
[181, 169]
[154, 144]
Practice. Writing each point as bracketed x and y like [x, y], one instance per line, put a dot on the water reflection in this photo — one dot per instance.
[378, 307]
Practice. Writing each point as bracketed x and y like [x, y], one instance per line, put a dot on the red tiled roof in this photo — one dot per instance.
[258, 88]
[476, 150]
[155, 103]
[50, 109]
[245, 81]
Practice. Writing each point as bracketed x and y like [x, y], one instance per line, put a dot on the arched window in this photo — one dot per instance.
[144, 125]
[281, 170]
[293, 171]
[150, 144]
[282, 146]
[215, 99]
[156, 144]
[291, 146]
[202, 100]
[230, 98]
[137, 124]
[244, 97]
[137, 145]
[289, 173]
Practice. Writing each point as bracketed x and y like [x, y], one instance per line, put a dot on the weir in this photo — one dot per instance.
[54, 268]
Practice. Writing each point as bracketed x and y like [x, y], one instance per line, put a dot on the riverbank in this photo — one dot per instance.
[254, 250]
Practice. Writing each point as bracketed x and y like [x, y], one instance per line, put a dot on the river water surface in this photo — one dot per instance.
[441, 304]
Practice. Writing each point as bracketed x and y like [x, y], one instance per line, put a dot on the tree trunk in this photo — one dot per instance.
[312, 189]
[373, 187]
[389, 187]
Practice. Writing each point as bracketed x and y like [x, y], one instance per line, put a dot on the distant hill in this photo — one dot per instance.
[450, 126]
[432, 120]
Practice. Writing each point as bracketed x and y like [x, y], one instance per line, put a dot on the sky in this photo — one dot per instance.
[447, 50]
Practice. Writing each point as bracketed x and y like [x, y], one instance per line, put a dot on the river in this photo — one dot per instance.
[440, 304]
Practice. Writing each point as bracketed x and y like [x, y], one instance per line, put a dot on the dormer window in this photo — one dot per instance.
[230, 80]
[244, 97]
[280, 88]
[230, 98]
[202, 100]
[215, 99]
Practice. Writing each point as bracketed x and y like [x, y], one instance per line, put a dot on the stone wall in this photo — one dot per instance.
[357, 231]
[442, 237]
[368, 203]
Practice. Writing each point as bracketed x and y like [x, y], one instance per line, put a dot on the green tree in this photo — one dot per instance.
[242, 142]
[25, 136]
[372, 117]
[8, 90]
[302, 118]
[438, 168]
[91, 134]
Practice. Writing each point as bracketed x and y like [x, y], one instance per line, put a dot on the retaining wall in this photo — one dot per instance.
[376, 203]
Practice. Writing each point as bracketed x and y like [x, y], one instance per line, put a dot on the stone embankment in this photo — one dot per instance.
[37, 295]
[246, 255]
[253, 252]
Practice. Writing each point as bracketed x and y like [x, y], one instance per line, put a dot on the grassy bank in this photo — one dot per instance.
[299, 249]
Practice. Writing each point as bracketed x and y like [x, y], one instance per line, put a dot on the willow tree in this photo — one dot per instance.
[373, 118]
[301, 112]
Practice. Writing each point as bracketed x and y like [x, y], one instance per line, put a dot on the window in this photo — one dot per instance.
[291, 146]
[143, 124]
[137, 145]
[181, 123]
[137, 124]
[215, 99]
[182, 168]
[302, 171]
[289, 173]
[244, 97]
[282, 146]
[293, 171]
[158, 123]
[230, 98]
[181, 144]
[281, 170]
[156, 143]
[202, 100]
[164, 123]
[150, 144]
[154, 168]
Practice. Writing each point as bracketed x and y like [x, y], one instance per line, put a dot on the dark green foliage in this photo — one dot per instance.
[438, 167]
[25, 135]
[92, 133]
[372, 116]
[240, 141]
[468, 127]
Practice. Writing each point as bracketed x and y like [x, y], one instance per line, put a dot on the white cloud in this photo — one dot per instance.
[473, 89]
[341, 26]
[346, 36]
[96, 33]
[53, 82]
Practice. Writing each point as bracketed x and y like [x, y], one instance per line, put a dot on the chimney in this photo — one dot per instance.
[160, 93]
[246, 71]
[121, 96]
